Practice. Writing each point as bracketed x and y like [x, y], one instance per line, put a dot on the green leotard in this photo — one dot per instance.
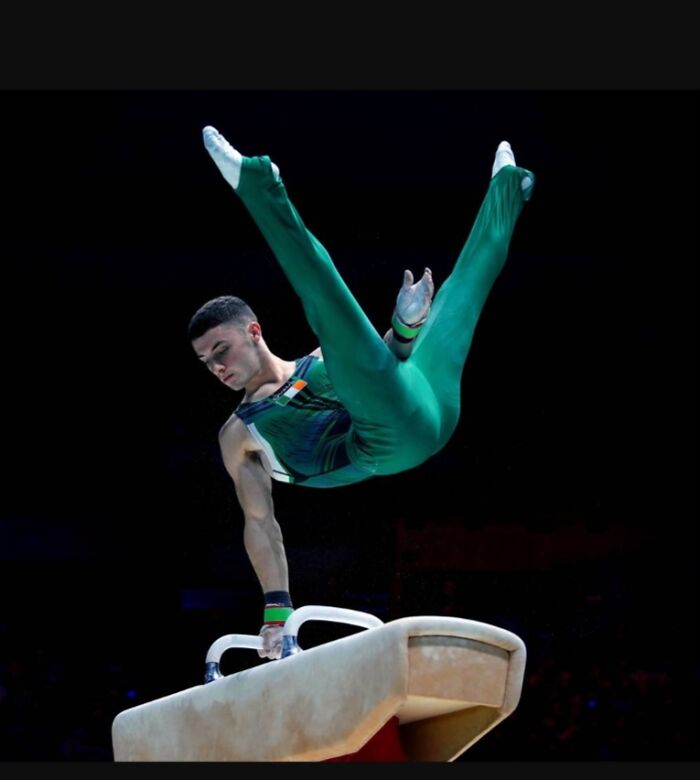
[304, 429]
[364, 412]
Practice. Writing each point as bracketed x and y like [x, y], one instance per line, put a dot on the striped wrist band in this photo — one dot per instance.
[407, 331]
[275, 614]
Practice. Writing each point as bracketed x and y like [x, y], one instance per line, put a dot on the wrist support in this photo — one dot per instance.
[406, 332]
[278, 607]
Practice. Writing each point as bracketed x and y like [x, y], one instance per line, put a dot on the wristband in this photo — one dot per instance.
[278, 598]
[407, 331]
[278, 607]
[277, 615]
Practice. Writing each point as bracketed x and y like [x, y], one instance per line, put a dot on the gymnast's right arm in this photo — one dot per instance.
[262, 535]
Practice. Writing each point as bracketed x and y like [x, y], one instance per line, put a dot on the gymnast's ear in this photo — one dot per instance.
[254, 330]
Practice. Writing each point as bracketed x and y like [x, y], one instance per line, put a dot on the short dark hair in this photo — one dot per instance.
[224, 310]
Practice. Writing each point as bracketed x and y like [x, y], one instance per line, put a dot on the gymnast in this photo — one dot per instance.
[360, 405]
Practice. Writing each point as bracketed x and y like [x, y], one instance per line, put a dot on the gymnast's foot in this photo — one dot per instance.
[414, 300]
[228, 160]
[505, 156]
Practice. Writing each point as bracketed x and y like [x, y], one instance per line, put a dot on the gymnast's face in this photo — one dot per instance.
[231, 353]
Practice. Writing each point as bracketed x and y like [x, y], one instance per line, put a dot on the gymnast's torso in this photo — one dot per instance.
[303, 429]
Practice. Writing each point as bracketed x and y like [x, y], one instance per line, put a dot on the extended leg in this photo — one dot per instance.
[441, 348]
[361, 366]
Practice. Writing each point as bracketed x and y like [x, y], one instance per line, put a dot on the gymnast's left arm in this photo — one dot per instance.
[262, 535]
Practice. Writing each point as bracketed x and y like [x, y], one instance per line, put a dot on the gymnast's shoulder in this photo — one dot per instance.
[235, 439]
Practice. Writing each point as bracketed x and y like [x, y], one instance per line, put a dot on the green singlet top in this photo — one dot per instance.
[303, 429]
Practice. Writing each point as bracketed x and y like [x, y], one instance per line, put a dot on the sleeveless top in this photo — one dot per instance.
[303, 429]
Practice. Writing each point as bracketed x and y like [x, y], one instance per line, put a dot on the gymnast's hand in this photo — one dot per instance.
[272, 641]
[414, 300]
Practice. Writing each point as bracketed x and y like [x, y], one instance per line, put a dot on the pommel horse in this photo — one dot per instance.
[441, 683]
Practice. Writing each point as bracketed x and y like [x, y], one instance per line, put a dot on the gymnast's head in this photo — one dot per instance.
[227, 338]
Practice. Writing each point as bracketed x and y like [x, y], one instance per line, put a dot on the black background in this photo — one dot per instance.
[570, 480]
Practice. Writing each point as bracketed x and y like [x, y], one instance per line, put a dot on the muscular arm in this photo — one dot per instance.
[262, 535]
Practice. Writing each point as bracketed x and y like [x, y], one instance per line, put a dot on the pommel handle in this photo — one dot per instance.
[317, 612]
[212, 671]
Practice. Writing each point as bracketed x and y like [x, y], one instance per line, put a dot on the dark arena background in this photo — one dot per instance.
[563, 509]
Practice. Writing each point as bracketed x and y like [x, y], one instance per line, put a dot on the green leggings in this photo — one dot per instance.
[403, 411]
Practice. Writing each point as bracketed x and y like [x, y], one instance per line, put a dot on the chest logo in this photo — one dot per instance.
[285, 394]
